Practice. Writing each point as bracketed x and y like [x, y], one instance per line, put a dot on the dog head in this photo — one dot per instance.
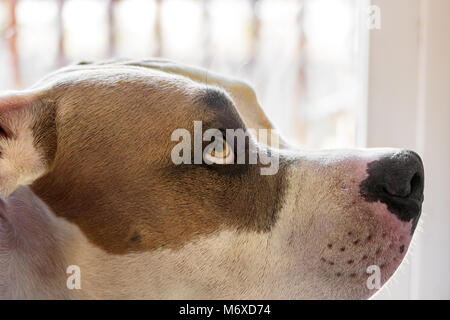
[96, 142]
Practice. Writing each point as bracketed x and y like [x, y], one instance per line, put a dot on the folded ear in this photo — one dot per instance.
[22, 157]
[242, 94]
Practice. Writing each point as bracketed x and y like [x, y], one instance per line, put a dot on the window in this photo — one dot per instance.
[304, 57]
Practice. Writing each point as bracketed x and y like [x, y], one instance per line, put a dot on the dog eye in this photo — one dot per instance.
[219, 152]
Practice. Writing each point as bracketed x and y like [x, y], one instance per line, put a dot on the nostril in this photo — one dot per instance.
[402, 185]
[416, 184]
[401, 191]
[409, 188]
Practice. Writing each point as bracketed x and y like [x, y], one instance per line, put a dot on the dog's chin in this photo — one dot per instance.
[363, 256]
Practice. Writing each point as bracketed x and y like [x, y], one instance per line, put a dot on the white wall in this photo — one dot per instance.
[409, 106]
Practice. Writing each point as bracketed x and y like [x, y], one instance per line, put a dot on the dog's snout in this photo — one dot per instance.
[398, 181]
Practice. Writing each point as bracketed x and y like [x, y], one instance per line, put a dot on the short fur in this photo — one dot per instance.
[92, 142]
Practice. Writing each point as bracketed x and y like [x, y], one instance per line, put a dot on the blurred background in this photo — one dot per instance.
[303, 57]
[329, 74]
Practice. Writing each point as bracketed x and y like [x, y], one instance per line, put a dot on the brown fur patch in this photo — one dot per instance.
[112, 173]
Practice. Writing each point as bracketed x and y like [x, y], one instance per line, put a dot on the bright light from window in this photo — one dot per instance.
[303, 57]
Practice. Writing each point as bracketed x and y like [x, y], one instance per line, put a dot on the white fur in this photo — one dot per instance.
[283, 263]
[20, 162]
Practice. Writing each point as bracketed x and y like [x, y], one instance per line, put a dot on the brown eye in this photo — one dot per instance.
[225, 152]
[220, 154]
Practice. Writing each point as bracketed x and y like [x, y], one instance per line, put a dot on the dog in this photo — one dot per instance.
[88, 184]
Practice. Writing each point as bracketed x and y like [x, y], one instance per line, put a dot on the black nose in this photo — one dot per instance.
[396, 180]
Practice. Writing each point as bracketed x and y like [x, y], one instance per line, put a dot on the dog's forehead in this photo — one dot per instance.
[146, 86]
[245, 102]
[98, 75]
[133, 106]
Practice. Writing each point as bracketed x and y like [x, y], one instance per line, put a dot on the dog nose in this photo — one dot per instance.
[398, 181]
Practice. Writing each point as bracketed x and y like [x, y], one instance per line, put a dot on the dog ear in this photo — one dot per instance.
[242, 94]
[22, 160]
